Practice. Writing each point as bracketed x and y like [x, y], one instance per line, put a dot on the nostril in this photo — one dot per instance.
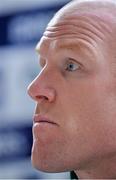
[41, 98]
[46, 98]
[41, 93]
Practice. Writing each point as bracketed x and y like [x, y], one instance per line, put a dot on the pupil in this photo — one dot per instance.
[71, 66]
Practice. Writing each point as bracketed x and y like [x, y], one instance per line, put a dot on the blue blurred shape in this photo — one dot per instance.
[15, 143]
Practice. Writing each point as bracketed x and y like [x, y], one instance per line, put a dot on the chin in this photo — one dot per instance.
[42, 164]
[47, 166]
[46, 162]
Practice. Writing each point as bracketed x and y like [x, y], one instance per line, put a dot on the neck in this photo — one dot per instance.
[102, 169]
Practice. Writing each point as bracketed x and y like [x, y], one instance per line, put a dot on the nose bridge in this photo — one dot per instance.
[37, 83]
[42, 85]
[43, 78]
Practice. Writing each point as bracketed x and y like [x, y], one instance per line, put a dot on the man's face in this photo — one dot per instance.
[75, 114]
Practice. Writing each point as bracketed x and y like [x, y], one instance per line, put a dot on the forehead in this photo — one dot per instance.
[101, 12]
[98, 7]
[100, 21]
[75, 32]
[69, 45]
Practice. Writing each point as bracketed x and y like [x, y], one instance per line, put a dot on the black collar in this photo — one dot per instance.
[73, 175]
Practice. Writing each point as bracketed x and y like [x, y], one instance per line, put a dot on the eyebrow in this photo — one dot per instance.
[67, 45]
[84, 47]
[70, 46]
[81, 47]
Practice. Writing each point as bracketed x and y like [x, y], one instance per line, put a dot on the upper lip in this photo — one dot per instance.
[41, 118]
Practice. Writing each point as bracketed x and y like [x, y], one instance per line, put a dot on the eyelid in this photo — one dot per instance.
[74, 60]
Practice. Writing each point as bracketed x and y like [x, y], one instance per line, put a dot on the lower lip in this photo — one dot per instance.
[43, 129]
[44, 124]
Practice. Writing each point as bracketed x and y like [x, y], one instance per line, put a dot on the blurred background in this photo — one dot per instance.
[22, 23]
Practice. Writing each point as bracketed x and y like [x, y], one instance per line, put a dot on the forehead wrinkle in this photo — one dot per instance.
[56, 44]
[99, 22]
[83, 35]
[78, 28]
[83, 38]
[85, 21]
[74, 30]
[79, 46]
[90, 28]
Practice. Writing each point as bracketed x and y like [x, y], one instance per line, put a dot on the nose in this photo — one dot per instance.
[40, 90]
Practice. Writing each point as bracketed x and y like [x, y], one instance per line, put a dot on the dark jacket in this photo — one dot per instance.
[73, 175]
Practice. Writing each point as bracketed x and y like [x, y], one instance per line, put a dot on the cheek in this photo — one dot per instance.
[85, 110]
[87, 100]
[89, 113]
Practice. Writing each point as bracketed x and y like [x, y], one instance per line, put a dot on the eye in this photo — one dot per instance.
[72, 66]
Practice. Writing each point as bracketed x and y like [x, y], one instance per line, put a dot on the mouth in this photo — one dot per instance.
[43, 120]
[44, 128]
